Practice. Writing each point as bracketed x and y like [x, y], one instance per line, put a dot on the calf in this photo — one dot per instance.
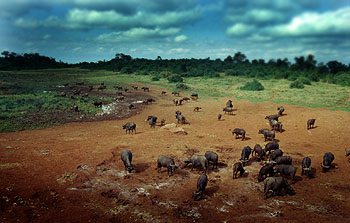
[186, 99]
[162, 122]
[181, 119]
[219, 117]
[228, 110]
[280, 110]
[276, 184]
[163, 93]
[264, 171]
[197, 160]
[167, 162]
[201, 184]
[246, 151]
[310, 123]
[276, 153]
[196, 109]
[258, 151]
[127, 158]
[306, 163]
[194, 96]
[176, 93]
[283, 160]
[271, 146]
[238, 132]
[145, 89]
[272, 117]
[327, 161]
[130, 126]
[237, 167]
[286, 170]
[267, 134]
[212, 157]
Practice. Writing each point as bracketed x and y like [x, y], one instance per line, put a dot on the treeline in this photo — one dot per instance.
[14, 61]
[305, 68]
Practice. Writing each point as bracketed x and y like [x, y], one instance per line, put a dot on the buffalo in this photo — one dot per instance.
[127, 158]
[246, 151]
[306, 163]
[272, 117]
[283, 160]
[276, 184]
[201, 184]
[167, 162]
[197, 160]
[271, 146]
[238, 132]
[258, 151]
[237, 167]
[264, 171]
[276, 153]
[280, 110]
[229, 104]
[310, 123]
[267, 134]
[212, 157]
[130, 126]
[228, 110]
[286, 170]
[327, 161]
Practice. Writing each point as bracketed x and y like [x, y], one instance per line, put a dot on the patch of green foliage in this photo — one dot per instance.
[304, 80]
[254, 85]
[182, 86]
[297, 84]
[175, 78]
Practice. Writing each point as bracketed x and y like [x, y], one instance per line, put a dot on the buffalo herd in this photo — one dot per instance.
[276, 168]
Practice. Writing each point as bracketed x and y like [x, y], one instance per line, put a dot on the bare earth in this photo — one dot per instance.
[73, 173]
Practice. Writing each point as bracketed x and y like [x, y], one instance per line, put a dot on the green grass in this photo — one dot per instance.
[33, 92]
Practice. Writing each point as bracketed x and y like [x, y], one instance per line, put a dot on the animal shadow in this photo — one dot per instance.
[212, 190]
[181, 172]
[141, 167]
[297, 179]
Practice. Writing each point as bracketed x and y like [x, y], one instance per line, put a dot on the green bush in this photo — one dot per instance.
[297, 84]
[342, 79]
[182, 86]
[175, 78]
[254, 85]
[304, 80]
[155, 78]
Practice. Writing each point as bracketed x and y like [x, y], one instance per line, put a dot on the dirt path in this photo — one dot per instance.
[73, 173]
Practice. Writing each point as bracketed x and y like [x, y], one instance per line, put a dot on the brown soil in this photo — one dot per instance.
[73, 172]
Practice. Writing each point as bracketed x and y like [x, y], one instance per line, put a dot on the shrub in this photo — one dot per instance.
[342, 79]
[175, 78]
[231, 73]
[155, 78]
[304, 80]
[182, 86]
[253, 86]
[297, 84]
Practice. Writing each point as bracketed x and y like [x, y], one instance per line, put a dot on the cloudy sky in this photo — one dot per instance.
[92, 30]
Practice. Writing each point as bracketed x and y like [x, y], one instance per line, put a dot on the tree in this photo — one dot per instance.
[335, 66]
[239, 57]
[228, 59]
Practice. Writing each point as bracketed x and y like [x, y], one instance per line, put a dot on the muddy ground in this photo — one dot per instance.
[73, 172]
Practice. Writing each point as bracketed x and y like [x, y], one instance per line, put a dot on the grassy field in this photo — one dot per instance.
[28, 94]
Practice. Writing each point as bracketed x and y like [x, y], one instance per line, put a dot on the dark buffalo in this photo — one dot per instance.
[130, 126]
[229, 104]
[167, 162]
[237, 167]
[246, 151]
[238, 132]
[276, 184]
[219, 117]
[267, 134]
[272, 117]
[135, 87]
[196, 109]
[283, 160]
[181, 119]
[306, 163]
[163, 93]
[271, 146]
[101, 88]
[264, 171]
[201, 184]
[178, 113]
[197, 160]
[228, 110]
[186, 99]
[194, 96]
[327, 161]
[145, 89]
[258, 151]
[280, 110]
[152, 121]
[287, 170]
[347, 152]
[275, 125]
[310, 123]
[276, 153]
[131, 106]
[127, 158]
[212, 157]
[176, 93]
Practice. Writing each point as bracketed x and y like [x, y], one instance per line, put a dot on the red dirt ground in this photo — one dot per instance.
[73, 172]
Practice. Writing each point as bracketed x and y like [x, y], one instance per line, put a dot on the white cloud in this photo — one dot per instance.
[180, 38]
[178, 50]
[135, 34]
[47, 36]
[263, 16]
[316, 24]
[239, 29]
